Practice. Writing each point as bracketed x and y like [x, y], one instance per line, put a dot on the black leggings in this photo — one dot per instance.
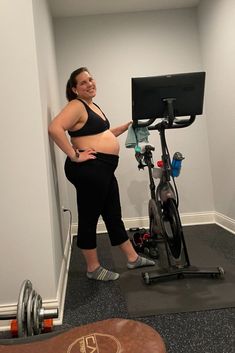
[97, 195]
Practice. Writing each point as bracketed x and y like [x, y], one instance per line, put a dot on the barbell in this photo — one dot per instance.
[30, 316]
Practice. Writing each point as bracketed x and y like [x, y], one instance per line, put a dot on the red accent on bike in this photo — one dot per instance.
[160, 164]
[146, 236]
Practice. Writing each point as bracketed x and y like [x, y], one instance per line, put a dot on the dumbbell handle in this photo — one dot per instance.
[44, 314]
[48, 314]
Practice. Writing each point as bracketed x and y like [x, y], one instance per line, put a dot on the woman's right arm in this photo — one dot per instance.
[64, 121]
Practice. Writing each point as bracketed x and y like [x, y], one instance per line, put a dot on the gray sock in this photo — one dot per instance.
[101, 274]
[140, 262]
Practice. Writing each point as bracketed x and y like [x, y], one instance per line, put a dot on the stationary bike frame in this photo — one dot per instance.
[163, 207]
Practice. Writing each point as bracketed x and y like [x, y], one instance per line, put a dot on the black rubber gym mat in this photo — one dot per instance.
[208, 246]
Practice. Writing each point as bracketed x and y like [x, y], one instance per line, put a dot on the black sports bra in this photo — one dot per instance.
[94, 124]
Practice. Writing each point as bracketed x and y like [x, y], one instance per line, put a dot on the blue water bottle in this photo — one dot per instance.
[176, 164]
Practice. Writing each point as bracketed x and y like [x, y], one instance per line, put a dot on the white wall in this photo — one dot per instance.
[31, 234]
[48, 83]
[217, 33]
[118, 47]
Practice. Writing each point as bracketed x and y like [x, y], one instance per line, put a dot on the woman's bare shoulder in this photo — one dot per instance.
[75, 103]
[72, 112]
[74, 107]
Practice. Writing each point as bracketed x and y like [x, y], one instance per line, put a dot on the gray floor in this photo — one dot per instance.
[193, 293]
[207, 331]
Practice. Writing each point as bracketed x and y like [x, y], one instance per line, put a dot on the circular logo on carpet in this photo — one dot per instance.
[95, 343]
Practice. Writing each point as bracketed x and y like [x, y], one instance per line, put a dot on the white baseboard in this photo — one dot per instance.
[7, 309]
[143, 222]
[58, 302]
[186, 219]
[61, 291]
[225, 222]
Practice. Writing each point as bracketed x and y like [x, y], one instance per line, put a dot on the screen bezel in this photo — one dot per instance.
[187, 90]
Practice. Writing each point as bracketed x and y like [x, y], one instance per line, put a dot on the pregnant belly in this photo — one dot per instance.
[104, 142]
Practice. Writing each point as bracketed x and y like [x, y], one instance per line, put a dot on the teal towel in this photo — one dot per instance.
[134, 136]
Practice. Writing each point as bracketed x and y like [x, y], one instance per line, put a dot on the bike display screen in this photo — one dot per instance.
[185, 90]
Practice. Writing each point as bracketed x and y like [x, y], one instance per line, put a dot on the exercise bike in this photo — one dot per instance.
[164, 219]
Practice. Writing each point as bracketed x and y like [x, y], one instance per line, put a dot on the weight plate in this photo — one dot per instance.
[25, 291]
[37, 304]
[29, 313]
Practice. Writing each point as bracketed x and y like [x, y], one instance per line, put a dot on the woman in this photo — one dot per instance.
[92, 157]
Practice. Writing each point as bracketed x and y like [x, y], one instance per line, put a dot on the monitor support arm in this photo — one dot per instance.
[169, 113]
[168, 121]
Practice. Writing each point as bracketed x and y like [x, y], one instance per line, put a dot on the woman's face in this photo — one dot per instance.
[86, 86]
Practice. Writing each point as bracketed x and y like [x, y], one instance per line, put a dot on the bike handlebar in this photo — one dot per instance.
[166, 123]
